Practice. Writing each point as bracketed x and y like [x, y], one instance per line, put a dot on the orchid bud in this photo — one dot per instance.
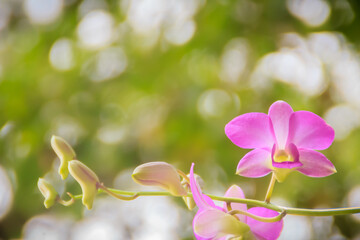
[65, 153]
[159, 174]
[87, 179]
[48, 191]
[189, 201]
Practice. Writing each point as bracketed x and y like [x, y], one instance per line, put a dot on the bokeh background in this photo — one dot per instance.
[132, 81]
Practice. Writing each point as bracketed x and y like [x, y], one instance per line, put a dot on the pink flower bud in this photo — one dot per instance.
[159, 174]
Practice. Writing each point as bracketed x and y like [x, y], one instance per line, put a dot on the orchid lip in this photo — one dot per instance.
[285, 158]
[287, 164]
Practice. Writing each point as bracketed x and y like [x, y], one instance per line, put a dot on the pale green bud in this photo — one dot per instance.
[159, 174]
[65, 153]
[87, 179]
[48, 191]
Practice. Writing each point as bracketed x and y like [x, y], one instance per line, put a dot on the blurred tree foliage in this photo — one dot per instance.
[157, 93]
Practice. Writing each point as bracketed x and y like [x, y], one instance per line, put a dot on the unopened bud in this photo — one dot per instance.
[48, 191]
[87, 179]
[159, 174]
[65, 153]
[189, 201]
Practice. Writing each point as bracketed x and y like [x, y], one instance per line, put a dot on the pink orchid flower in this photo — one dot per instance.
[212, 222]
[283, 140]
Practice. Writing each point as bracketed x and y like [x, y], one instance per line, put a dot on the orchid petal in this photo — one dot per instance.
[214, 224]
[256, 163]
[279, 113]
[264, 230]
[202, 238]
[193, 225]
[251, 130]
[315, 164]
[209, 201]
[196, 191]
[308, 130]
[236, 192]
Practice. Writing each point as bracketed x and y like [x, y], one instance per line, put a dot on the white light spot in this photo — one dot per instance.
[322, 226]
[354, 200]
[43, 11]
[343, 119]
[5, 13]
[112, 134]
[214, 103]
[345, 75]
[6, 129]
[297, 67]
[234, 60]
[97, 228]
[67, 128]
[179, 34]
[312, 12]
[296, 228]
[96, 30]
[326, 46]
[46, 227]
[107, 64]
[146, 15]
[6, 193]
[61, 55]
[151, 19]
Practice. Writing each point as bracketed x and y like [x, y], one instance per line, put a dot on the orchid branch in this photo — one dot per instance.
[252, 202]
[66, 203]
[262, 219]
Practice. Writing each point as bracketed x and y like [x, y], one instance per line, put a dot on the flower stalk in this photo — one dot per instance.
[116, 195]
[270, 188]
[252, 202]
[67, 203]
[262, 219]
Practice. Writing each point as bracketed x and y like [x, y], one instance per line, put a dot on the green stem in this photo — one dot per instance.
[66, 203]
[270, 188]
[116, 195]
[252, 202]
[262, 219]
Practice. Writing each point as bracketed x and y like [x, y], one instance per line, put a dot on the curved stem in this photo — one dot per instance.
[270, 188]
[68, 202]
[121, 197]
[262, 219]
[252, 202]
[228, 206]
